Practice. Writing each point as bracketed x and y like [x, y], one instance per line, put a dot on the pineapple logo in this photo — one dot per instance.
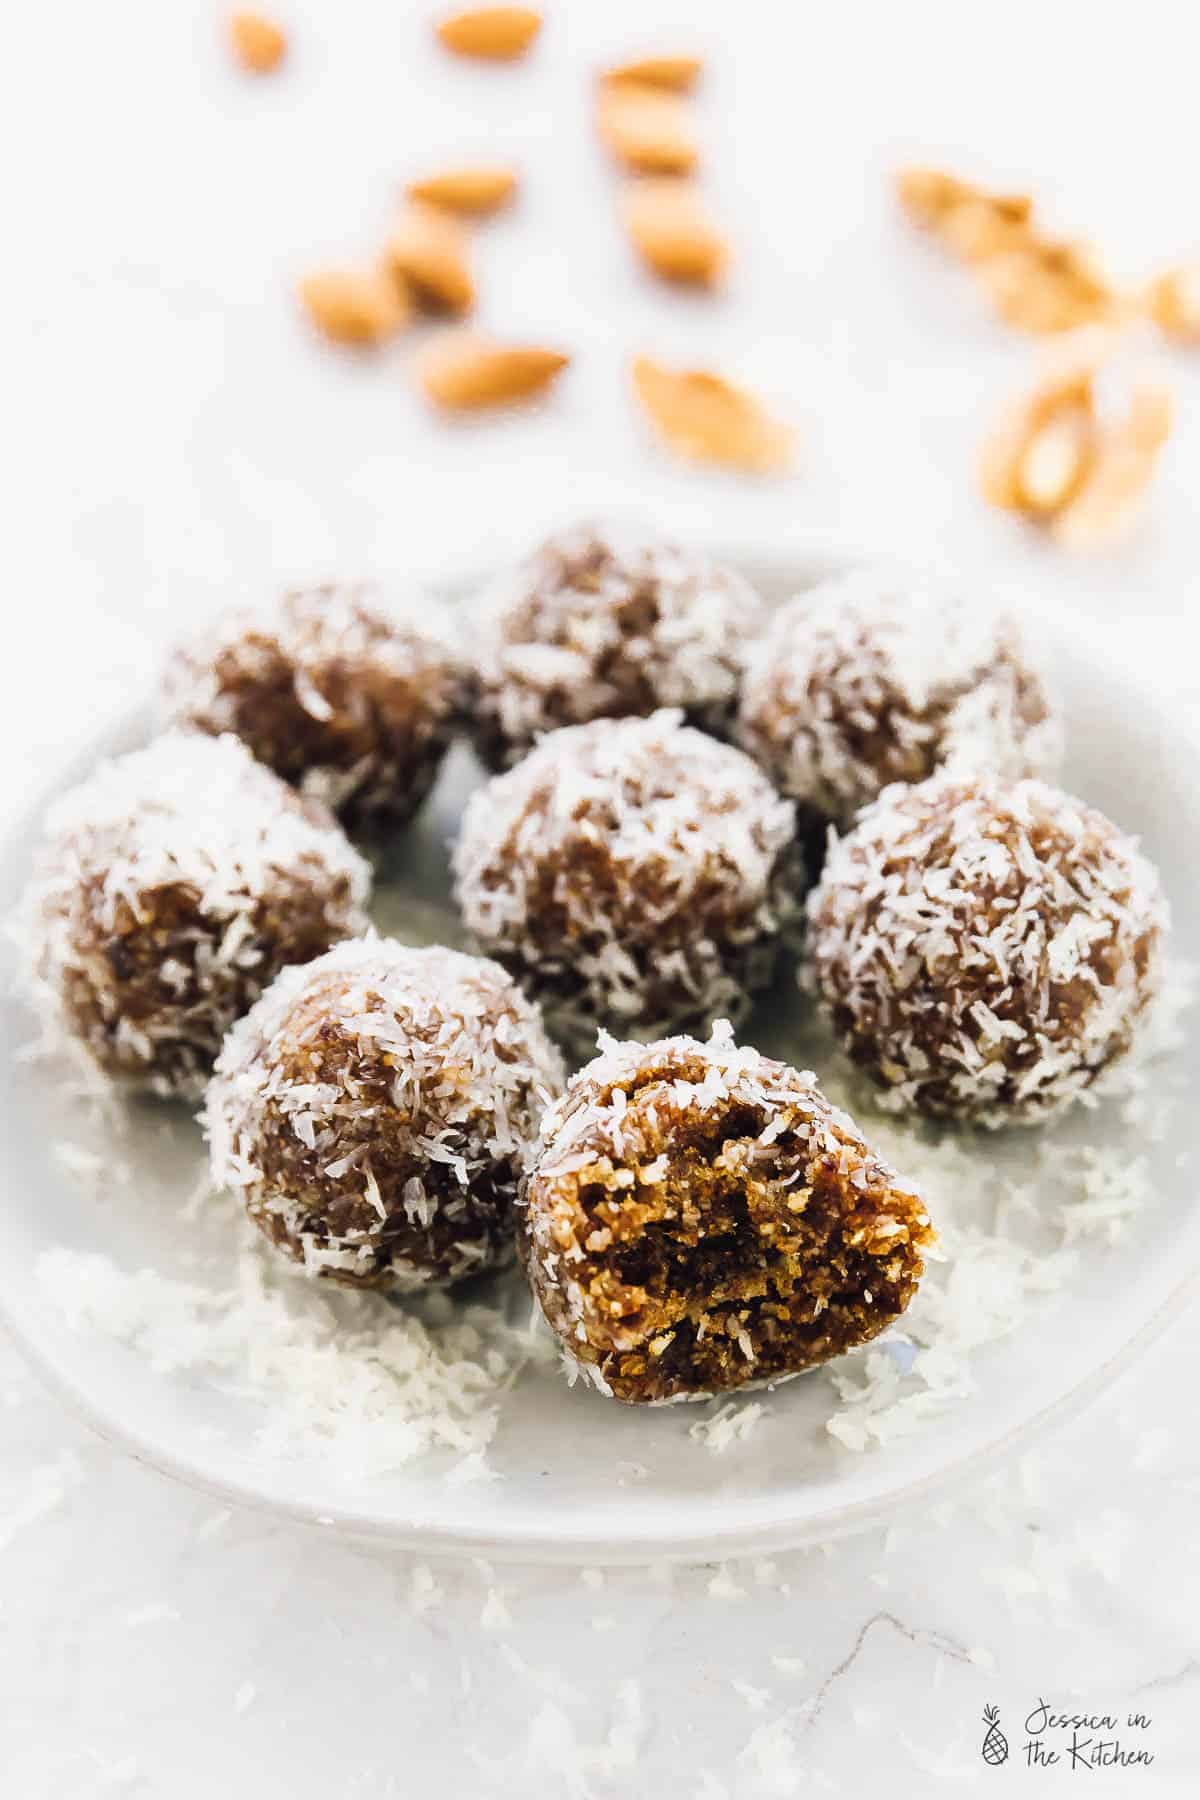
[995, 1744]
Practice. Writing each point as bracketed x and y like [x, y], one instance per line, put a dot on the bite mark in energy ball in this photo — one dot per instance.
[349, 695]
[700, 1218]
[632, 873]
[377, 1109]
[983, 948]
[175, 883]
[607, 624]
[877, 677]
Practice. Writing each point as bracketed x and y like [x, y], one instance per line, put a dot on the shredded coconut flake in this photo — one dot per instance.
[731, 1424]
[183, 866]
[373, 687]
[885, 675]
[985, 948]
[347, 1379]
[426, 1065]
[632, 872]
[603, 624]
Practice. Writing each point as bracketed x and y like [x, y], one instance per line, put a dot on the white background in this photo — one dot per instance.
[175, 434]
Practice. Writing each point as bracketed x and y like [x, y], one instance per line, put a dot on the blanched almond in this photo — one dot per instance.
[464, 373]
[672, 230]
[495, 33]
[476, 189]
[705, 418]
[676, 72]
[259, 44]
[648, 130]
[353, 306]
[428, 249]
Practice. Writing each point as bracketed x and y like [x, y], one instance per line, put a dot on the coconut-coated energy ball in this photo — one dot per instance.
[606, 623]
[878, 677]
[174, 884]
[699, 1218]
[349, 694]
[631, 873]
[984, 948]
[377, 1110]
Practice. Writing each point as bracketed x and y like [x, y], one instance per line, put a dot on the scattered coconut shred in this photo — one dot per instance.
[367, 1386]
[348, 1378]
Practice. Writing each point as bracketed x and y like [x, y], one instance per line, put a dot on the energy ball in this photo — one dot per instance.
[377, 1110]
[607, 624]
[175, 883]
[630, 872]
[875, 678]
[349, 697]
[699, 1218]
[984, 948]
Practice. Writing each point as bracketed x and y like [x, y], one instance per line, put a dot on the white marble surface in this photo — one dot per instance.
[176, 433]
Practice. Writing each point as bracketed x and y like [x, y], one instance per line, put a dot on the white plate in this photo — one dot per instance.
[564, 1456]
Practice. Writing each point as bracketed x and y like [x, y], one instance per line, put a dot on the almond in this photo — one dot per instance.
[465, 373]
[1173, 302]
[428, 249]
[495, 33]
[977, 230]
[1048, 286]
[645, 129]
[672, 231]
[1066, 388]
[705, 418]
[353, 306]
[258, 43]
[1060, 460]
[1111, 499]
[478, 189]
[927, 195]
[1054, 462]
[678, 73]
[1037, 283]
[930, 196]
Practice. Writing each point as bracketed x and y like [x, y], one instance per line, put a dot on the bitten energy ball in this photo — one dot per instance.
[631, 872]
[875, 678]
[984, 948]
[607, 625]
[349, 696]
[176, 882]
[377, 1109]
[700, 1217]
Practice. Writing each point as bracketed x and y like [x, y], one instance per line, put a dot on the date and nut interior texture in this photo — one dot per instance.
[699, 1218]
